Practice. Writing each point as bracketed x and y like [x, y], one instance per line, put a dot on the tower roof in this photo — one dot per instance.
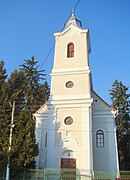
[73, 20]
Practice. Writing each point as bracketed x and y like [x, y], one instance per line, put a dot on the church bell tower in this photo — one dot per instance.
[69, 143]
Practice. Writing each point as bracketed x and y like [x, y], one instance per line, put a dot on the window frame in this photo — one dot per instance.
[70, 50]
[68, 123]
[100, 138]
[71, 84]
[46, 140]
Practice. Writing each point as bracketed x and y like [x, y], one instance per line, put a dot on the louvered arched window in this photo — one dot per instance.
[100, 138]
[70, 50]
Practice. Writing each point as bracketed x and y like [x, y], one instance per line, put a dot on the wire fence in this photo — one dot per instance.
[69, 174]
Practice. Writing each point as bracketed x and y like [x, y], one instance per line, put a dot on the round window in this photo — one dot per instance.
[69, 84]
[68, 120]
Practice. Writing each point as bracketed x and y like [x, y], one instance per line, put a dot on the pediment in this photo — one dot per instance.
[72, 30]
[99, 103]
[42, 109]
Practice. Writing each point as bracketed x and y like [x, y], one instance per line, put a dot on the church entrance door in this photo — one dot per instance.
[68, 166]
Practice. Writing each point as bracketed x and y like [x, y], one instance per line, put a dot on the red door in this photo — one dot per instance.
[68, 166]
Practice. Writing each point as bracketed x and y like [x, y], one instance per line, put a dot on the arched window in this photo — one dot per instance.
[100, 138]
[46, 140]
[70, 50]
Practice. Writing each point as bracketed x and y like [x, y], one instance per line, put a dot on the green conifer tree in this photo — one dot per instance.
[44, 92]
[24, 148]
[33, 95]
[121, 102]
[25, 87]
[29, 93]
[4, 109]
[3, 75]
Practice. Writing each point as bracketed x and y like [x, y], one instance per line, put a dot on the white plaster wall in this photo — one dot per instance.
[40, 131]
[51, 156]
[74, 102]
[101, 154]
[75, 137]
[80, 81]
[103, 119]
[79, 38]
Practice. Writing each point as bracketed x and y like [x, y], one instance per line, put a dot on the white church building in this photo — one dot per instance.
[75, 128]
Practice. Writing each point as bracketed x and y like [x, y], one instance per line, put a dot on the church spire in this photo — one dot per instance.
[73, 20]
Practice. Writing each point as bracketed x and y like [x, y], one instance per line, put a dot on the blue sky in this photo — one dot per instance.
[27, 27]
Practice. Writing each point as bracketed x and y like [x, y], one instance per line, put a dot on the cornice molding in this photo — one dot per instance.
[56, 72]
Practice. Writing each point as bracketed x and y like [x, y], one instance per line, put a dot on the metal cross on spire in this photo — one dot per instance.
[72, 12]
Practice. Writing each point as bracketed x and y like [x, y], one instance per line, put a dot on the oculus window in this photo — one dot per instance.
[69, 84]
[68, 120]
